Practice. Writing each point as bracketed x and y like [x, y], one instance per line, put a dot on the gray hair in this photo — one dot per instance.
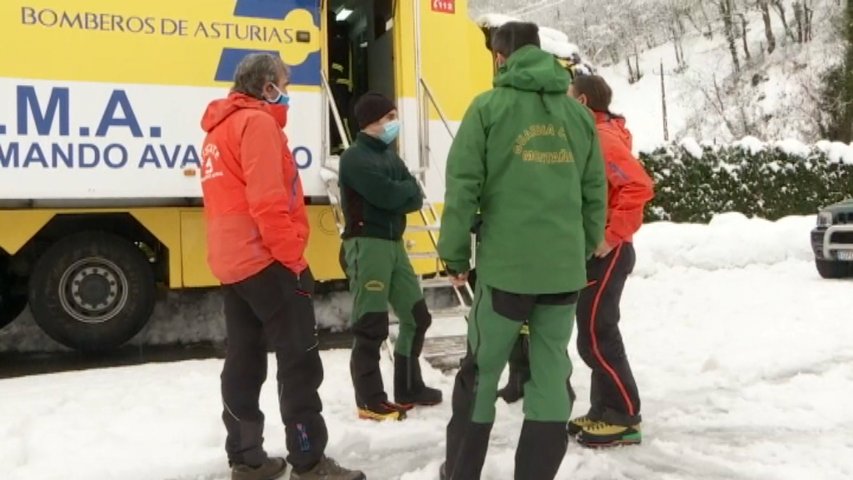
[256, 70]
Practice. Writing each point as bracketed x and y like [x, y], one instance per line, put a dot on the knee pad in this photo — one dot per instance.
[371, 329]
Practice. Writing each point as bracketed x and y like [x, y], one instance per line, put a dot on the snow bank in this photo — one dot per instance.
[553, 34]
[691, 146]
[553, 41]
[836, 151]
[494, 20]
[751, 145]
[560, 49]
[729, 241]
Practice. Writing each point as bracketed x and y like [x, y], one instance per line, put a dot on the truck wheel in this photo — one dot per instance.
[92, 291]
[830, 269]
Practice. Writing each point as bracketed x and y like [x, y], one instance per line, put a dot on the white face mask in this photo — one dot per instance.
[281, 99]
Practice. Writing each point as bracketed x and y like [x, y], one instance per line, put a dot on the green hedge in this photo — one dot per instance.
[771, 183]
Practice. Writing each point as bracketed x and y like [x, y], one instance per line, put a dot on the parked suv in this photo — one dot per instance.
[832, 240]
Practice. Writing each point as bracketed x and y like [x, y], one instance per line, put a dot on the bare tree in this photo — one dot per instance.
[764, 5]
[726, 7]
[780, 9]
[672, 15]
[799, 20]
[708, 23]
[808, 15]
[743, 32]
[845, 121]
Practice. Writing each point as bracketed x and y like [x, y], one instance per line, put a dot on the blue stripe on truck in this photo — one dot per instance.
[275, 9]
[306, 73]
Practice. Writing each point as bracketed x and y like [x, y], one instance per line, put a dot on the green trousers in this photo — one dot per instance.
[492, 336]
[380, 273]
[495, 323]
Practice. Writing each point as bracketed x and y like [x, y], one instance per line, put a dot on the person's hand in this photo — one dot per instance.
[603, 249]
[459, 279]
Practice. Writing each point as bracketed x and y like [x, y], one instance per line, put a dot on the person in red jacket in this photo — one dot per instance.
[257, 231]
[614, 416]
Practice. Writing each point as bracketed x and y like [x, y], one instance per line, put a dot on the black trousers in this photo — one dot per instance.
[273, 309]
[614, 395]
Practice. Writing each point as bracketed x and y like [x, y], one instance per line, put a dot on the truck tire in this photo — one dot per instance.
[830, 269]
[92, 291]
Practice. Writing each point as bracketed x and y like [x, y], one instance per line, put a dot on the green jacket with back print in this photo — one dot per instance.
[527, 157]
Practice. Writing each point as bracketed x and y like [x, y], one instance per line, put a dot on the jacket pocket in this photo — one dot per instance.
[298, 316]
[282, 301]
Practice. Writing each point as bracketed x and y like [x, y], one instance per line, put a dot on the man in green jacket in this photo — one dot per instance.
[527, 158]
[377, 191]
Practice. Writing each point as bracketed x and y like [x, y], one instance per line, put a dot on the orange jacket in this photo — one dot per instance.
[628, 185]
[253, 203]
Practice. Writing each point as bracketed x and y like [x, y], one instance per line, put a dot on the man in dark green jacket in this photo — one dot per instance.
[377, 191]
[527, 158]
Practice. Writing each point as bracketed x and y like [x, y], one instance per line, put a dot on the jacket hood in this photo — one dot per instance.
[615, 125]
[219, 110]
[535, 70]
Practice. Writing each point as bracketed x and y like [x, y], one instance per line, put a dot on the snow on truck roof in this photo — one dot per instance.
[553, 41]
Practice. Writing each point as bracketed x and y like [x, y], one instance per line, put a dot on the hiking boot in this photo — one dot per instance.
[382, 412]
[512, 392]
[426, 397]
[271, 469]
[604, 435]
[514, 389]
[577, 424]
[401, 406]
[409, 387]
[519, 368]
[328, 469]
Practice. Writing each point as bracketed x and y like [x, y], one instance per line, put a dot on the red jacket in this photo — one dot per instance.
[253, 203]
[629, 186]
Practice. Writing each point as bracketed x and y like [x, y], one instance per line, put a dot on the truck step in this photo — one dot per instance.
[436, 282]
[423, 255]
[451, 312]
[458, 312]
[423, 228]
[445, 353]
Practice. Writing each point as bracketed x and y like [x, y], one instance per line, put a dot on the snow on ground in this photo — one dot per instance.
[745, 363]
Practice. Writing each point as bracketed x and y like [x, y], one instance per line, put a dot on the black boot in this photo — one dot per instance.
[409, 388]
[519, 372]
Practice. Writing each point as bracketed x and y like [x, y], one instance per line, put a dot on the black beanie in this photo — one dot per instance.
[371, 107]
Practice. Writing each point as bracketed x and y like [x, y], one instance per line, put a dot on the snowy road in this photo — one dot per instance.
[745, 373]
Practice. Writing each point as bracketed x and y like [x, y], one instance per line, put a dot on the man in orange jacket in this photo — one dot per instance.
[257, 231]
[614, 416]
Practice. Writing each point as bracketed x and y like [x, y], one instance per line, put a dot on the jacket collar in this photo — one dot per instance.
[371, 142]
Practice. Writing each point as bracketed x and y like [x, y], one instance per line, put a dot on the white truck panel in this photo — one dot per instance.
[84, 140]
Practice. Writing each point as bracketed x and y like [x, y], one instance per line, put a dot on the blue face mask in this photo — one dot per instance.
[389, 134]
[281, 99]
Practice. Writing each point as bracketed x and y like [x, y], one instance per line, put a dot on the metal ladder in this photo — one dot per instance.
[442, 351]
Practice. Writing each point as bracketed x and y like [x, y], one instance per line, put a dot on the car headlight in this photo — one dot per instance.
[824, 219]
